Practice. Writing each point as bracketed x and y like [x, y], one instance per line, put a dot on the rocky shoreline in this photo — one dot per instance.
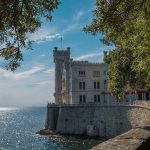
[46, 132]
[135, 139]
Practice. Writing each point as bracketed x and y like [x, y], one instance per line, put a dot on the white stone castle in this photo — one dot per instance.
[79, 82]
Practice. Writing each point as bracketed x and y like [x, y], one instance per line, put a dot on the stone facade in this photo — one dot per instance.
[61, 60]
[85, 82]
[79, 81]
[108, 120]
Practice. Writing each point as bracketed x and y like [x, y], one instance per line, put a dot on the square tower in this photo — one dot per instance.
[61, 60]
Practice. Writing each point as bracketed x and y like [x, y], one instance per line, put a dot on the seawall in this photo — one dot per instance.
[107, 121]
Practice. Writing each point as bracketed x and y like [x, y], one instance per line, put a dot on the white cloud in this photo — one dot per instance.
[20, 75]
[87, 56]
[43, 55]
[49, 71]
[74, 23]
[49, 34]
[78, 15]
[71, 27]
[44, 34]
[28, 73]
[30, 89]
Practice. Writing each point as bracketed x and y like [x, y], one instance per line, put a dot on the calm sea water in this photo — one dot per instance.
[18, 127]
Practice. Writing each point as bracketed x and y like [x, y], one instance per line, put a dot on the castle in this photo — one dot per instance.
[83, 105]
[79, 81]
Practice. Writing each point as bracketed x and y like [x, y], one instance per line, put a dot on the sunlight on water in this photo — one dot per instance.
[19, 125]
[8, 108]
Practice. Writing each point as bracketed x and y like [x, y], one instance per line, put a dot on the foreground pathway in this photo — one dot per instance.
[135, 139]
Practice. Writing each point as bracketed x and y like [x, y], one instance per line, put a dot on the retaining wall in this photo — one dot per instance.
[109, 120]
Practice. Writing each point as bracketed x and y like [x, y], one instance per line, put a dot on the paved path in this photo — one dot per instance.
[138, 138]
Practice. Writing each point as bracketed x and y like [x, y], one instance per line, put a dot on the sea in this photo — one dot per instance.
[18, 127]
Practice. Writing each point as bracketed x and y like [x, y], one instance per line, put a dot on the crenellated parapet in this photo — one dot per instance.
[61, 52]
[85, 63]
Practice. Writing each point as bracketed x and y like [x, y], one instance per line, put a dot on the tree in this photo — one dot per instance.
[126, 25]
[18, 18]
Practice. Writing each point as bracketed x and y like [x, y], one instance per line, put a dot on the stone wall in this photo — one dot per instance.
[51, 117]
[109, 120]
[135, 139]
[143, 103]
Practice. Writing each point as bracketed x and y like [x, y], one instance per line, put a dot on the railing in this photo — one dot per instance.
[102, 103]
[107, 103]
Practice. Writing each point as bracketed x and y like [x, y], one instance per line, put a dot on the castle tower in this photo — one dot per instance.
[61, 60]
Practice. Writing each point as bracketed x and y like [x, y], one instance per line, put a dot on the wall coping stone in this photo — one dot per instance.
[131, 140]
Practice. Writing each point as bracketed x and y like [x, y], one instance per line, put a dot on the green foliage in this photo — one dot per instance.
[125, 24]
[17, 19]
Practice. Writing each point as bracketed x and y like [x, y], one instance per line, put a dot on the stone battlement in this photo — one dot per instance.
[62, 52]
[73, 62]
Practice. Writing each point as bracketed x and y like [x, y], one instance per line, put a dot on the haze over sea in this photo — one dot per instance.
[18, 127]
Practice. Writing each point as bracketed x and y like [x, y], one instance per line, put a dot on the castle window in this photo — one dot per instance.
[82, 73]
[82, 99]
[94, 85]
[105, 82]
[81, 85]
[96, 73]
[97, 98]
[97, 85]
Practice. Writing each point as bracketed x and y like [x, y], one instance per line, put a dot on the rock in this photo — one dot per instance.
[46, 132]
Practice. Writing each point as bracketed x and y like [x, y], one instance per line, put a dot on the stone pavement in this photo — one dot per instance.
[135, 139]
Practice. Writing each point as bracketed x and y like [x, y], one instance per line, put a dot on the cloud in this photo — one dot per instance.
[71, 27]
[74, 23]
[45, 34]
[78, 15]
[43, 55]
[20, 75]
[49, 37]
[33, 87]
[87, 56]
[49, 71]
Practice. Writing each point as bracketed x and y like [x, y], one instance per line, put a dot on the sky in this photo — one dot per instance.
[32, 84]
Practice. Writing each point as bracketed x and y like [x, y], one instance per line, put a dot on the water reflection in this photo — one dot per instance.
[18, 127]
[8, 108]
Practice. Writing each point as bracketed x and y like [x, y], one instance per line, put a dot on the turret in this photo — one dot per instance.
[61, 60]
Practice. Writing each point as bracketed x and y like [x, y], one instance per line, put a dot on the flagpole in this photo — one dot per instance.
[61, 42]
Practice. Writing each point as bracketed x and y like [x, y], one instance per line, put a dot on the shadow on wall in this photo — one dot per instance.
[107, 121]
